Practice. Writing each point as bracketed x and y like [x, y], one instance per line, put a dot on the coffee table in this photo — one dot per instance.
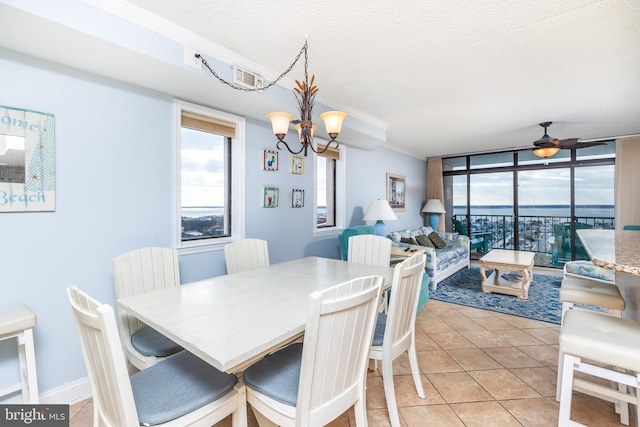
[512, 272]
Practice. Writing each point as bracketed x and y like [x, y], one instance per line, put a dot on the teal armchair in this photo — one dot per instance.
[478, 241]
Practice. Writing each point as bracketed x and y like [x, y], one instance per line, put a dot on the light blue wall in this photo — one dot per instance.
[114, 158]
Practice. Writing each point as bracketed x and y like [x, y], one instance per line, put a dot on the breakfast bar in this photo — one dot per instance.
[618, 251]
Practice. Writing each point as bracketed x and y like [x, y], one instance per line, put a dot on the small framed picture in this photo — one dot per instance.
[396, 192]
[297, 198]
[297, 164]
[270, 160]
[270, 197]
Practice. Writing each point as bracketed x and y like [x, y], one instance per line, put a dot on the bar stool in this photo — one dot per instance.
[18, 322]
[603, 340]
[575, 290]
[590, 292]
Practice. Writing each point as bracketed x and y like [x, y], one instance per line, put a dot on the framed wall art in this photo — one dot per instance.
[396, 188]
[270, 160]
[297, 164]
[270, 197]
[27, 161]
[297, 198]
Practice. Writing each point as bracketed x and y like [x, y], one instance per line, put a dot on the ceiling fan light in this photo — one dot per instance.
[545, 152]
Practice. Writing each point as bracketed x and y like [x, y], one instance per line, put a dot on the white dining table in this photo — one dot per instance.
[233, 320]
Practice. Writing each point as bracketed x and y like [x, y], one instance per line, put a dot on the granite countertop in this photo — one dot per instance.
[619, 251]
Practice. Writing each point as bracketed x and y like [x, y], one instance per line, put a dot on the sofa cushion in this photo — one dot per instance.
[409, 240]
[424, 241]
[438, 241]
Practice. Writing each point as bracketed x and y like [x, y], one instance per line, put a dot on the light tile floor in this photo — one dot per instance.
[479, 368]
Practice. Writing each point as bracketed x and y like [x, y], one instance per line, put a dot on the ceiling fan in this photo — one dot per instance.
[548, 146]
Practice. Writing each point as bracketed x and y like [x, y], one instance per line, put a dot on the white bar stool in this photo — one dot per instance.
[18, 322]
[574, 290]
[603, 340]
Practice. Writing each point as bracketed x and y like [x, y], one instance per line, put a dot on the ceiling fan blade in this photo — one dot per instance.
[578, 144]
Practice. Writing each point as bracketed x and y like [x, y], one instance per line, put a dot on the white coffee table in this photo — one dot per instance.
[512, 272]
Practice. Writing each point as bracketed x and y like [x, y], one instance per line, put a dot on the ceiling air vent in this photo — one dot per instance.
[247, 78]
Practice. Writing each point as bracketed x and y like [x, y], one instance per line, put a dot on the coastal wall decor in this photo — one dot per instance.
[270, 197]
[27, 161]
[297, 164]
[297, 198]
[396, 185]
[270, 160]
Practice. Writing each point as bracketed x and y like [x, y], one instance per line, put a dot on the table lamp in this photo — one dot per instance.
[379, 210]
[435, 208]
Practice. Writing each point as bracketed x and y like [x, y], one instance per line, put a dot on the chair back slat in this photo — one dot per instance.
[246, 254]
[337, 339]
[369, 249]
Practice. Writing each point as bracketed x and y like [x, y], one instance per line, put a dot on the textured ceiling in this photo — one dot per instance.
[444, 77]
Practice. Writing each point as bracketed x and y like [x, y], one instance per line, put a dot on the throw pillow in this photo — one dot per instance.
[409, 240]
[438, 242]
[424, 241]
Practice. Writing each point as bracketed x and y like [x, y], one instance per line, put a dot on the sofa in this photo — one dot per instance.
[441, 263]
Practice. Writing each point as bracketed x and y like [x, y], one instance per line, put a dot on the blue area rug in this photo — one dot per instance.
[464, 288]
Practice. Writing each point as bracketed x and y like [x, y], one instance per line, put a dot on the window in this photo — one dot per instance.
[209, 176]
[330, 183]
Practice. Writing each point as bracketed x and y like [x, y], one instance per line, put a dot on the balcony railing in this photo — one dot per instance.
[551, 237]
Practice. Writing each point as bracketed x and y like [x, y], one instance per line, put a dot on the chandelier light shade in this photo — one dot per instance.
[545, 152]
[435, 208]
[280, 123]
[379, 211]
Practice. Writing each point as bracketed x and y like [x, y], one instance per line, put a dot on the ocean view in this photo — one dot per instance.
[605, 211]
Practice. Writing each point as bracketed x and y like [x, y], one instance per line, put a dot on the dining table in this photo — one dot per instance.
[233, 320]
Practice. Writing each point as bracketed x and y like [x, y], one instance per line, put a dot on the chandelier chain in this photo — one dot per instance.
[234, 86]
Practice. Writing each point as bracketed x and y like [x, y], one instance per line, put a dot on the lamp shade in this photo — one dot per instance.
[379, 210]
[333, 121]
[433, 206]
[280, 122]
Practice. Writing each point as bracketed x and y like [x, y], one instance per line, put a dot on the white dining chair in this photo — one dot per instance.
[369, 249]
[311, 383]
[136, 272]
[246, 254]
[395, 331]
[373, 250]
[179, 391]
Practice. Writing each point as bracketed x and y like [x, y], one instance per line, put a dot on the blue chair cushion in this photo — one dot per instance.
[589, 269]
[378, 334]
[277, 375]
[177, 386]
[150, 342]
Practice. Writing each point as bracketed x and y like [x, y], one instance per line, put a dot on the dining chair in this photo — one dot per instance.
[311, 383]
[246, 254]
[369, 249]
[178, 391]
[395, 331]
[373, 250]
[136, 272]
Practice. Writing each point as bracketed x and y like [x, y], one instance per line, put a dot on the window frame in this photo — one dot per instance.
[340, 192]
[237, 176]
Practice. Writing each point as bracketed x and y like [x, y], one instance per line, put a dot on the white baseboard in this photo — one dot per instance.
[70, 393]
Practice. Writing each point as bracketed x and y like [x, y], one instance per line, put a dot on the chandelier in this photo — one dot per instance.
[305, 94]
